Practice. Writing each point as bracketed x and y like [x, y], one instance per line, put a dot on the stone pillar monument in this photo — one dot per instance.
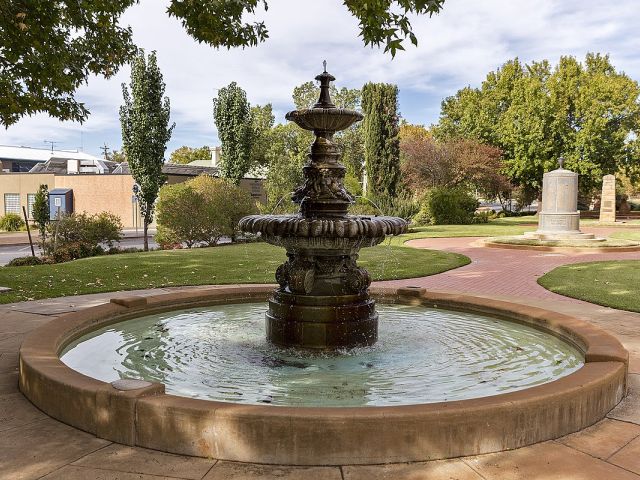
[608, 199]
[559, 218]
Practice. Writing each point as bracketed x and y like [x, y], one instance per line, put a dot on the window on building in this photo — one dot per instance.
[12, 203]
[31, 199]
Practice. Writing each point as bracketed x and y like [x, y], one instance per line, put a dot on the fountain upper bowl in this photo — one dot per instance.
[324, 119]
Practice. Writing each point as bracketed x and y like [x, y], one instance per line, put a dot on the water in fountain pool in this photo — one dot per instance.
[424, 355]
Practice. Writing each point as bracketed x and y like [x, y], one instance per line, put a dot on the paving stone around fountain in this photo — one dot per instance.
[34, 445]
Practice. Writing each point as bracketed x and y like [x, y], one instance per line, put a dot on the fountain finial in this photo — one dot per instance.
[324, 66]
[561, 162]
[325, 80]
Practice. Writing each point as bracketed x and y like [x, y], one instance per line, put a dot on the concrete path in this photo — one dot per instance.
[34, 446]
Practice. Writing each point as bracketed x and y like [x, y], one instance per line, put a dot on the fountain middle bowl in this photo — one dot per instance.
[350, 226]
[143, 414]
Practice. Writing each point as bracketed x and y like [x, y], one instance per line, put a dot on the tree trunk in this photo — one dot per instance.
[145, 229]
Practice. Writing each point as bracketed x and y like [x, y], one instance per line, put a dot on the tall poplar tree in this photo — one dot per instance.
[145, 132]
[381, 138]
[233, 119]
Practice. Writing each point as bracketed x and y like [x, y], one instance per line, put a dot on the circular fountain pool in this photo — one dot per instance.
[424, 355]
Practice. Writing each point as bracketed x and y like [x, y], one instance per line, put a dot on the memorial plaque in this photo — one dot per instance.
[608, 199]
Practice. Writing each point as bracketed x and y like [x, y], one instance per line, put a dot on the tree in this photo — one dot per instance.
[287, 154]
[145, 132]
[306, 96]
[587, 112]
[184, 155]
[410, 131]
[116, 156]
[350, 141]
[463, 163]
[381, 142]
[232, 115]
[51, 47]
[384, 22]
[41, 213]
[262, 121]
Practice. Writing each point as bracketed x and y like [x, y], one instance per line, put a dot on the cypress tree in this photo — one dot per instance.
[381, 138]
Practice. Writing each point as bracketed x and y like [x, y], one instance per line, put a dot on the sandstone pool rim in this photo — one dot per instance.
[147, 417]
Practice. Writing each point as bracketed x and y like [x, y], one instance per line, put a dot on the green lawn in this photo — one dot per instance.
[627, 234]
[242, 263]
[613, 284]
[495, 228]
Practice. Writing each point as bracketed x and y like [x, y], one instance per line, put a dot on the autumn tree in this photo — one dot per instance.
[233, 119]
[49, 48]
[460, 163]
[184, 155]
[381, 142]
[145, 132]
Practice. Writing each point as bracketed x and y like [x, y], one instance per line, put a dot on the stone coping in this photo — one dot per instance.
[596, 248]
[147, 417]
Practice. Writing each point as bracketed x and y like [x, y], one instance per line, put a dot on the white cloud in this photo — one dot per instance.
[457, 48]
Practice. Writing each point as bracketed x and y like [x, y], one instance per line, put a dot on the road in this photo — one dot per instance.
[9, 252]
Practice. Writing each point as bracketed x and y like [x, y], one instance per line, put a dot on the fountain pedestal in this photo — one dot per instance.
[323, 299]
[559, 219]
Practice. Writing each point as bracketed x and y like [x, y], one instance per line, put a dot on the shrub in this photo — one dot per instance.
[165, 238]
[422, 217]
[11, 222]
[104, 228]
[403, 206]
[482, 217]
[448, 206]
[80, 235]
[25, 261]
[201, 210]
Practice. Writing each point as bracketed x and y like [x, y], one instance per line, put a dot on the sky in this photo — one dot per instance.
[457, 48]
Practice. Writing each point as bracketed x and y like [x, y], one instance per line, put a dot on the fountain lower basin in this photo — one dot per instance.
[425, 355]
[145, 415]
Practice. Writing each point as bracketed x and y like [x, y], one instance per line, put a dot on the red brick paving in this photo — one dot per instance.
[496, 271]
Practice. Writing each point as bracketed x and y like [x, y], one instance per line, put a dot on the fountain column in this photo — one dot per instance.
[323, 299]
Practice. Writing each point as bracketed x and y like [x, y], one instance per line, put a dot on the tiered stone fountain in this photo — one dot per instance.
[323, 299]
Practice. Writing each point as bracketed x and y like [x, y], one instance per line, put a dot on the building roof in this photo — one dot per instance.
[60, 191]
[174, 169]
[201, 163]
[8, 152]
[59, 166]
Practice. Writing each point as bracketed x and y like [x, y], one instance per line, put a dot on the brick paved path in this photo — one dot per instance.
[497, 271]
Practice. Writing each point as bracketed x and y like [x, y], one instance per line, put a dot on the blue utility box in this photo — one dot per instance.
[60, 201]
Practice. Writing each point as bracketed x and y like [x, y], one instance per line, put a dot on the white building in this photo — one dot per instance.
[23, 159]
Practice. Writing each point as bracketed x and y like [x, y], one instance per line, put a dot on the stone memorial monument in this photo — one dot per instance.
[608, 199]
[559, 218]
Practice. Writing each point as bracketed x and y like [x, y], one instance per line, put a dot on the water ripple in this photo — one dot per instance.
[424, 355]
